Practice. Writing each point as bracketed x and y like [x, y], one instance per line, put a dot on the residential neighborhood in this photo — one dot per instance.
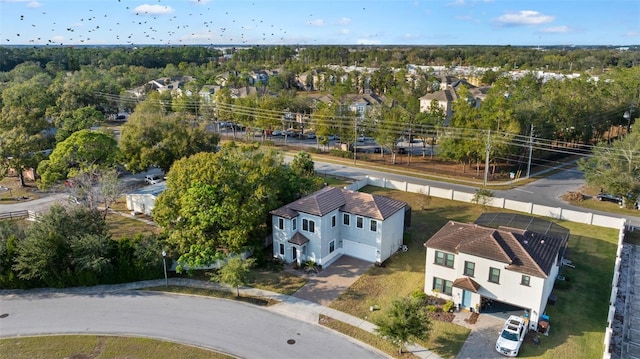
[329, 180]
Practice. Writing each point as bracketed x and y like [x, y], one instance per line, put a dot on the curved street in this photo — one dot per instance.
[231, 327]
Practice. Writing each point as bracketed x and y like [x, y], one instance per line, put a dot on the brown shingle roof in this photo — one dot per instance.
[329, 199]
[298, 239]
[466, 283]
[523, 251]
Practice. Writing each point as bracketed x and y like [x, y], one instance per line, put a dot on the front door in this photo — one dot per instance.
[294, 255]
[466, 299]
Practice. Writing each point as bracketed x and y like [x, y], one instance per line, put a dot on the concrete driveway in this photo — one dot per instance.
[324, 287]
[482, 340]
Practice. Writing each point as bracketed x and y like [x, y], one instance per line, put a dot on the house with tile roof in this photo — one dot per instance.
[470, 263]
[333, 222]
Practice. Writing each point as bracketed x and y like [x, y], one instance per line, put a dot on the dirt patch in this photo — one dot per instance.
[442, 316]
[473, 318]
[573, 197]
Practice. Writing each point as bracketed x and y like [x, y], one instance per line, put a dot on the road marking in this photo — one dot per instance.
[522, 190]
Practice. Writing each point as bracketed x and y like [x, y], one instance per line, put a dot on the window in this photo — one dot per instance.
[442, 286]
[444, 259]
[494, 275]
[332, 246]
[295, 223]
[333, 220]
[280, 223]
[359, 222]
[374, 225]
[526, 280]
[281, 249]
[469, 268]
[345, 219]
[308, 225]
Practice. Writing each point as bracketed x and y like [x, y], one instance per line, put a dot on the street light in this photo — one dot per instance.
[164, 262]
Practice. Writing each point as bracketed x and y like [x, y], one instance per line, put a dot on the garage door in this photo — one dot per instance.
[360, 251]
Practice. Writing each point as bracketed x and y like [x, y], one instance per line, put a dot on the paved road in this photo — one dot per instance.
[227, 326]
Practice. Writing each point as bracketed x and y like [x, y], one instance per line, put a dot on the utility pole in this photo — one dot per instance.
[486, 163]
[530, 151]
[355, 139]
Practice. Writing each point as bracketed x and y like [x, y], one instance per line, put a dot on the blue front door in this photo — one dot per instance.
[466, 299]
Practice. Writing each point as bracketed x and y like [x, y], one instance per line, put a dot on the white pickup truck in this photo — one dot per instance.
[512, 336]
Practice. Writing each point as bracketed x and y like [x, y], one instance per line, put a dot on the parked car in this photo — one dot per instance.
[402, 151]
[610, 198]
[153, 179]
[276, 133]
[311, 135]
[512, 336]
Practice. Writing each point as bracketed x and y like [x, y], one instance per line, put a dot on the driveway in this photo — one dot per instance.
[324, 287]
[482, 340]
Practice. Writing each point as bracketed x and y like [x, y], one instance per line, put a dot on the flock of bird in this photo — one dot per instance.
[151, 27]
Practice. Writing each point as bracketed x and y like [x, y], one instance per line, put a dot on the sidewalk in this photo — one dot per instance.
[289, 306]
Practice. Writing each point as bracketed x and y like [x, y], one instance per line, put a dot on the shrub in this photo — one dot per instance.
[448, 306]
[419, 294]
[431, 308]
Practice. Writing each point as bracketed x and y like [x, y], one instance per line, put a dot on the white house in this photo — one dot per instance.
[143, 199]
[333, 222]
[468, 263]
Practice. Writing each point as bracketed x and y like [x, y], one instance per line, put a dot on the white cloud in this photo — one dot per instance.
[367, 42]
[57, 39]
[30, 3]
[456, 3]
[147, 9]
[556, 29]
[344, 21]
[344, 31]
[316, 22]
[199, 2]
[524, 17]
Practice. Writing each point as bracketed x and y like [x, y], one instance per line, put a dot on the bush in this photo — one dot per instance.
[340, 153]
[431, 308]
[448, 306]
[419, 294]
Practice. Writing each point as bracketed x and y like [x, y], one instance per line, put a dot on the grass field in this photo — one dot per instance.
[578, 319]
[92, 346]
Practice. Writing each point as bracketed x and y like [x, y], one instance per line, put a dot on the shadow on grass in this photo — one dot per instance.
[448, 345]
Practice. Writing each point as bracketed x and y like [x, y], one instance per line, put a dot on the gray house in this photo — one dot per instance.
[333, 222]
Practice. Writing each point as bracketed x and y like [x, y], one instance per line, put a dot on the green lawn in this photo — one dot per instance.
[91, 346]
[578, 319]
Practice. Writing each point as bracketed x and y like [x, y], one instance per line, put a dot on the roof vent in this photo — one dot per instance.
[526, 241]
[542, 241]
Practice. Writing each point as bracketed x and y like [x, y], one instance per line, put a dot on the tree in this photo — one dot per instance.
[406, 320]
[76, 120]
[84, 152]
[23, 127]
[64, 248]
[302, 165]
[235, 272]
[219, 202]
[151, 137]
[615, 168]
[482, 196]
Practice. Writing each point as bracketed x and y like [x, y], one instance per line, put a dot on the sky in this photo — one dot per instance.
[320, 22]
